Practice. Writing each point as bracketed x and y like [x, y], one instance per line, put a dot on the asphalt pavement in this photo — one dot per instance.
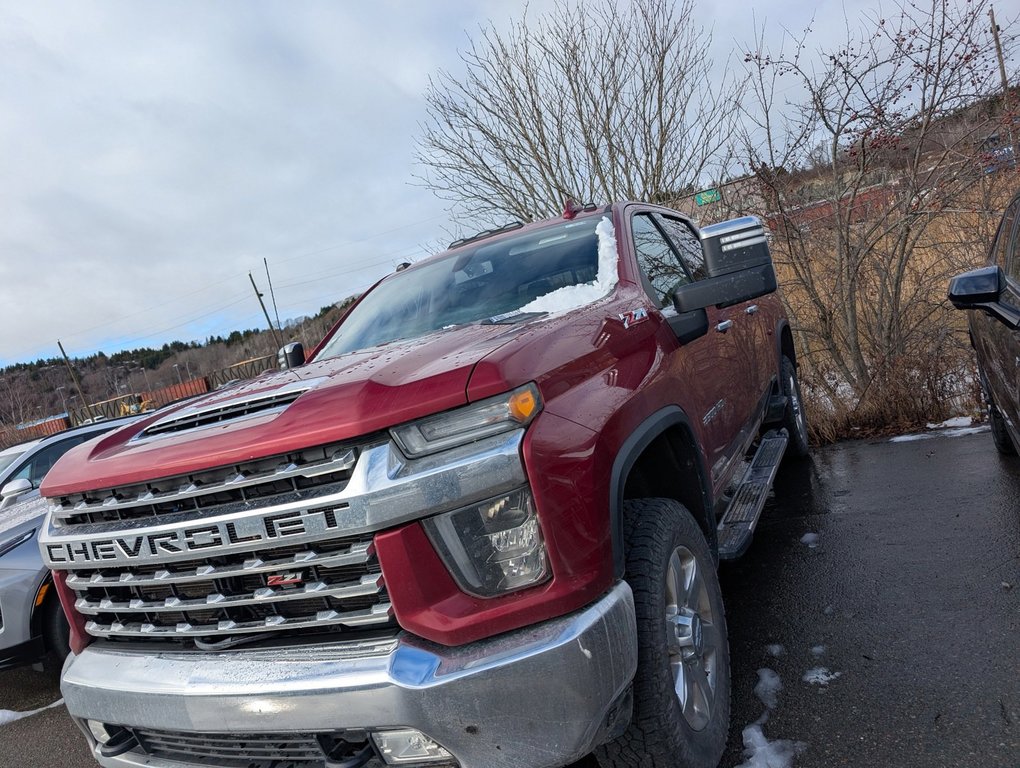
[890, 571]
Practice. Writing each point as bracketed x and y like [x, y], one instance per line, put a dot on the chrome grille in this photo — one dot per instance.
[333, 585]
[252, 750]
[251, 482]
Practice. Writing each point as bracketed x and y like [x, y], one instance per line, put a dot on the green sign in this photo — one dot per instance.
[708, 196]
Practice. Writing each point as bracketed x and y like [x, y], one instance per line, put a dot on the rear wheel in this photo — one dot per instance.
[1000, 435]
[794, 420]
[682, 684]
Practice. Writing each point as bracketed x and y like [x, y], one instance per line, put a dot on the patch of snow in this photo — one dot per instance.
[956, 421]
[811, 539]
[22, 512]
[762, 753]
[829, 610]
[9, 715]
[775, 649]
[818, 650]
[768, 687]
[820, 676]
[955, 432]
[572, 297]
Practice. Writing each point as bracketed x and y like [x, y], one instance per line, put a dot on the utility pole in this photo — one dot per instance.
[272, 295]
[1005, 86]
[262, 304]
[77, 384]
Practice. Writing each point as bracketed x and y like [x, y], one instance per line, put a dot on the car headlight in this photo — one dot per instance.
[493, 547]
[469, 423]
[6, 545]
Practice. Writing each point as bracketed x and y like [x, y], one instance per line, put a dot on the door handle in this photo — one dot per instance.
[724, 326]
[751, 309]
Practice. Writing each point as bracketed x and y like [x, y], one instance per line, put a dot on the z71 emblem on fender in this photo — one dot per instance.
[634, 317]
[283, 579]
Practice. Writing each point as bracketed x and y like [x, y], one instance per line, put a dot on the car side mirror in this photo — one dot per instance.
[291, 355]
[16, 488]
[737, 263]
[982, 289]
[725, 290]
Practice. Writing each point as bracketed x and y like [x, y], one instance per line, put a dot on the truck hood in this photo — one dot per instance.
[322, 402]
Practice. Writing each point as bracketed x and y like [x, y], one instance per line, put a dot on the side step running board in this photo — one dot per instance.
[736, 529]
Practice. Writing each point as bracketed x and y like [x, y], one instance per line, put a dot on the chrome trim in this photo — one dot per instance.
[339, 462]
[357, 554]
[370, 584]
[569, 673]
[380, 613]
[385, 489]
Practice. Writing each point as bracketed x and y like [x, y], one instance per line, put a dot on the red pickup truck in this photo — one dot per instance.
[479, 526]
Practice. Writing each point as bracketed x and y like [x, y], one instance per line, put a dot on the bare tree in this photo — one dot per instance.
[592, 102]
[872, 157]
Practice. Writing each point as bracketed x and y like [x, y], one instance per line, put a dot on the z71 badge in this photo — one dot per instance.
[634, 317]
[283, 579]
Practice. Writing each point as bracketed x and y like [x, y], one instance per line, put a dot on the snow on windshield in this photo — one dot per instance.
[575, 296]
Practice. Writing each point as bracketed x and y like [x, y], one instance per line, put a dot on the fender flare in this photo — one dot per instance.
[631, 449]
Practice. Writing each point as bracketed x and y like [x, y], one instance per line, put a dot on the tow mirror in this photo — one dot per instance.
[291, 355]
[737, 263]
[982, 289]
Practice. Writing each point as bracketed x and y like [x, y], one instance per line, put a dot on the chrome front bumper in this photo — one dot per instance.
[534, 698]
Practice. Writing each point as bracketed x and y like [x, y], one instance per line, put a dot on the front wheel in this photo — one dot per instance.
[682, 684]
[56, 632]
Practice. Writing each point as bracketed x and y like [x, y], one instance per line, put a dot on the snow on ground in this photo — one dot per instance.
[820, 676]
[775, 649]
[811, 539]
[574, 296]
[9, 715]
[818, 650]
[768, 687]
[952, 432]
[759, 752]
[956, 421]
[762, 753]
[829, 610]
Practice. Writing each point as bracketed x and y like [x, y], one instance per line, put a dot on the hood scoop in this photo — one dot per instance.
[211, 415]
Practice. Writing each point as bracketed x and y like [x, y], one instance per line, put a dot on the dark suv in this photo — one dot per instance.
[995, 290]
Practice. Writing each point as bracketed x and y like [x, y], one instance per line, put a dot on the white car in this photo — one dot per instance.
[32, 622]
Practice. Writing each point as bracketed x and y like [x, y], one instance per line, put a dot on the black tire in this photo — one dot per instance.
[1000, 435]
[56, 632]
[794, 420]
[660, 532]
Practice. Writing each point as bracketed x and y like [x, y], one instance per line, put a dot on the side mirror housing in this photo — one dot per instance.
[291, 355]
[738, 265]
[15, 488]
[982, 289]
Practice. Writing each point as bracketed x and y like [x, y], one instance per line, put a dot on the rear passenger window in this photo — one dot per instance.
[658, 262]
[688, 245]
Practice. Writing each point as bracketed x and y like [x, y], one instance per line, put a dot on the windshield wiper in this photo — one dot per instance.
[512, 317]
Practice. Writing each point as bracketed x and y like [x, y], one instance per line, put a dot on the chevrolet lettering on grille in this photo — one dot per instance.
[207, 538]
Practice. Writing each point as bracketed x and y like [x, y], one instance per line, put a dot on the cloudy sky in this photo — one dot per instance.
[151, 154]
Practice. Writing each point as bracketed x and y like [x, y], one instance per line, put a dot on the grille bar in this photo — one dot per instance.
[368, 585]
[357, 554]
[378, 614]
[233, 479]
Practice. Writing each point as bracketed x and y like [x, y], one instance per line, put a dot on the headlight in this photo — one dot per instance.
[469, 423]
[6, 545]
[493, 547]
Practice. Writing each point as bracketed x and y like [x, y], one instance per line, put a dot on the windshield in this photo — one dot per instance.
[494, 281]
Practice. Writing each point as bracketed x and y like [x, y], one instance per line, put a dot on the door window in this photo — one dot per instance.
[688, 245]
[36, 467]
[658, 261]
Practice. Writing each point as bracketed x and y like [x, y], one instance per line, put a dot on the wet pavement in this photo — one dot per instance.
[911, 594]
